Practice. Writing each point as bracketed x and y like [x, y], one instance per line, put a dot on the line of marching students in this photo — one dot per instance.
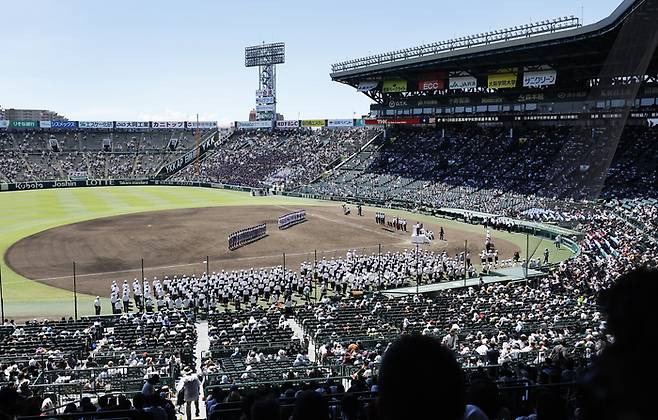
[243, 236]
[396, 223]
[290, 219]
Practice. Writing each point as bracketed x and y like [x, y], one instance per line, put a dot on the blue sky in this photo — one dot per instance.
[168, 60]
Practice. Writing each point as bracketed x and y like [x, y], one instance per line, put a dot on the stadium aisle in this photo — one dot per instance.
[298, 332]
[202, 346]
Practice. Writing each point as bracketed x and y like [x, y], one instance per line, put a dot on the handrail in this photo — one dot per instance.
[283, 381]
[132, 413]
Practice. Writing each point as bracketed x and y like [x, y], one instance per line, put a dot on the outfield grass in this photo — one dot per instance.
[25, 213]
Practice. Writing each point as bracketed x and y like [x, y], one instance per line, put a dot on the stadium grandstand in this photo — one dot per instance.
[514, 174]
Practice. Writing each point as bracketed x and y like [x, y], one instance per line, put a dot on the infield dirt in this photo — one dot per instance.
[177, 242]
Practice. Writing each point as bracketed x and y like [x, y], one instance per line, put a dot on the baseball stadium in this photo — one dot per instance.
[481, 244]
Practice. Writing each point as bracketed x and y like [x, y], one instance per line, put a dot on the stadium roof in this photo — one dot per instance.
[583, 48]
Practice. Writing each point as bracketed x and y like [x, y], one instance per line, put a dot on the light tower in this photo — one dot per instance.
[265, 57]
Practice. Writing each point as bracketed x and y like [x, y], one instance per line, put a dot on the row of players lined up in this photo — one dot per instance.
[400, 224]
[337, 277]
[244, 236]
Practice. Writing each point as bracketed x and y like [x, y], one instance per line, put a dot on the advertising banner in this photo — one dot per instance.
[264, 92]
[4, 123]
[203, 125]
[502, 81]
[391, 86]
[129, 125]
[314, 123]
[44, 124]
[265, 100]
[287, 124]
[63, 124]
[340, 123]
[403, 121]
[371, 122]
[360, 122]
[539, 78]
[23, 124]
[463, 82]
[78, 175]
[264, 108]
[96, 124]
[367, 85]
[435, 84]
[253, 124]
[171, 125]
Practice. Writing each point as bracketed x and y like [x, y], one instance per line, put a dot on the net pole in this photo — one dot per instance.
[417, 273]
[465, 267]
[315, 272]
[143, 289]
[379, 267]
[75, 294]
[527, 254]
[2, 298]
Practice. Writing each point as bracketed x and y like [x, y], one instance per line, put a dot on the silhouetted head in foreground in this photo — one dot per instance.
[420, 379]
[310, 406]
[619, 385]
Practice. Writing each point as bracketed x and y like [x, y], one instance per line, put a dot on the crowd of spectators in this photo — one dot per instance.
[287, 158]
[93, 355]
[485, 169]
[457, 352]
[409, 375]
[47, 156]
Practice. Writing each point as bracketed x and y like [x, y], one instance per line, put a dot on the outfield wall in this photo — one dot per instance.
[44, 185]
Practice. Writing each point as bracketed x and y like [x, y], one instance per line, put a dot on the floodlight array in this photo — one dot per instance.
[265, 55]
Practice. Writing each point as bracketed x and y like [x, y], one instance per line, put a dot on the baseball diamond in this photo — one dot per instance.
[465, 229]
[179, 241]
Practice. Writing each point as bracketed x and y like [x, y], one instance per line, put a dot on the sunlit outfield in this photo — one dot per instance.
[25, 213]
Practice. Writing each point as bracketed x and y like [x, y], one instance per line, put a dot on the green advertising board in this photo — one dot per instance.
[23, 124]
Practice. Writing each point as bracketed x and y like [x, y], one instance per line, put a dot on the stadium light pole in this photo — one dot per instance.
[75, 294]
[2, 299]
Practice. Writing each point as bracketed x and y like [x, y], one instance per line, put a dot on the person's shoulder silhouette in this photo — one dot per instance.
[420, 379]
[618, 384]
